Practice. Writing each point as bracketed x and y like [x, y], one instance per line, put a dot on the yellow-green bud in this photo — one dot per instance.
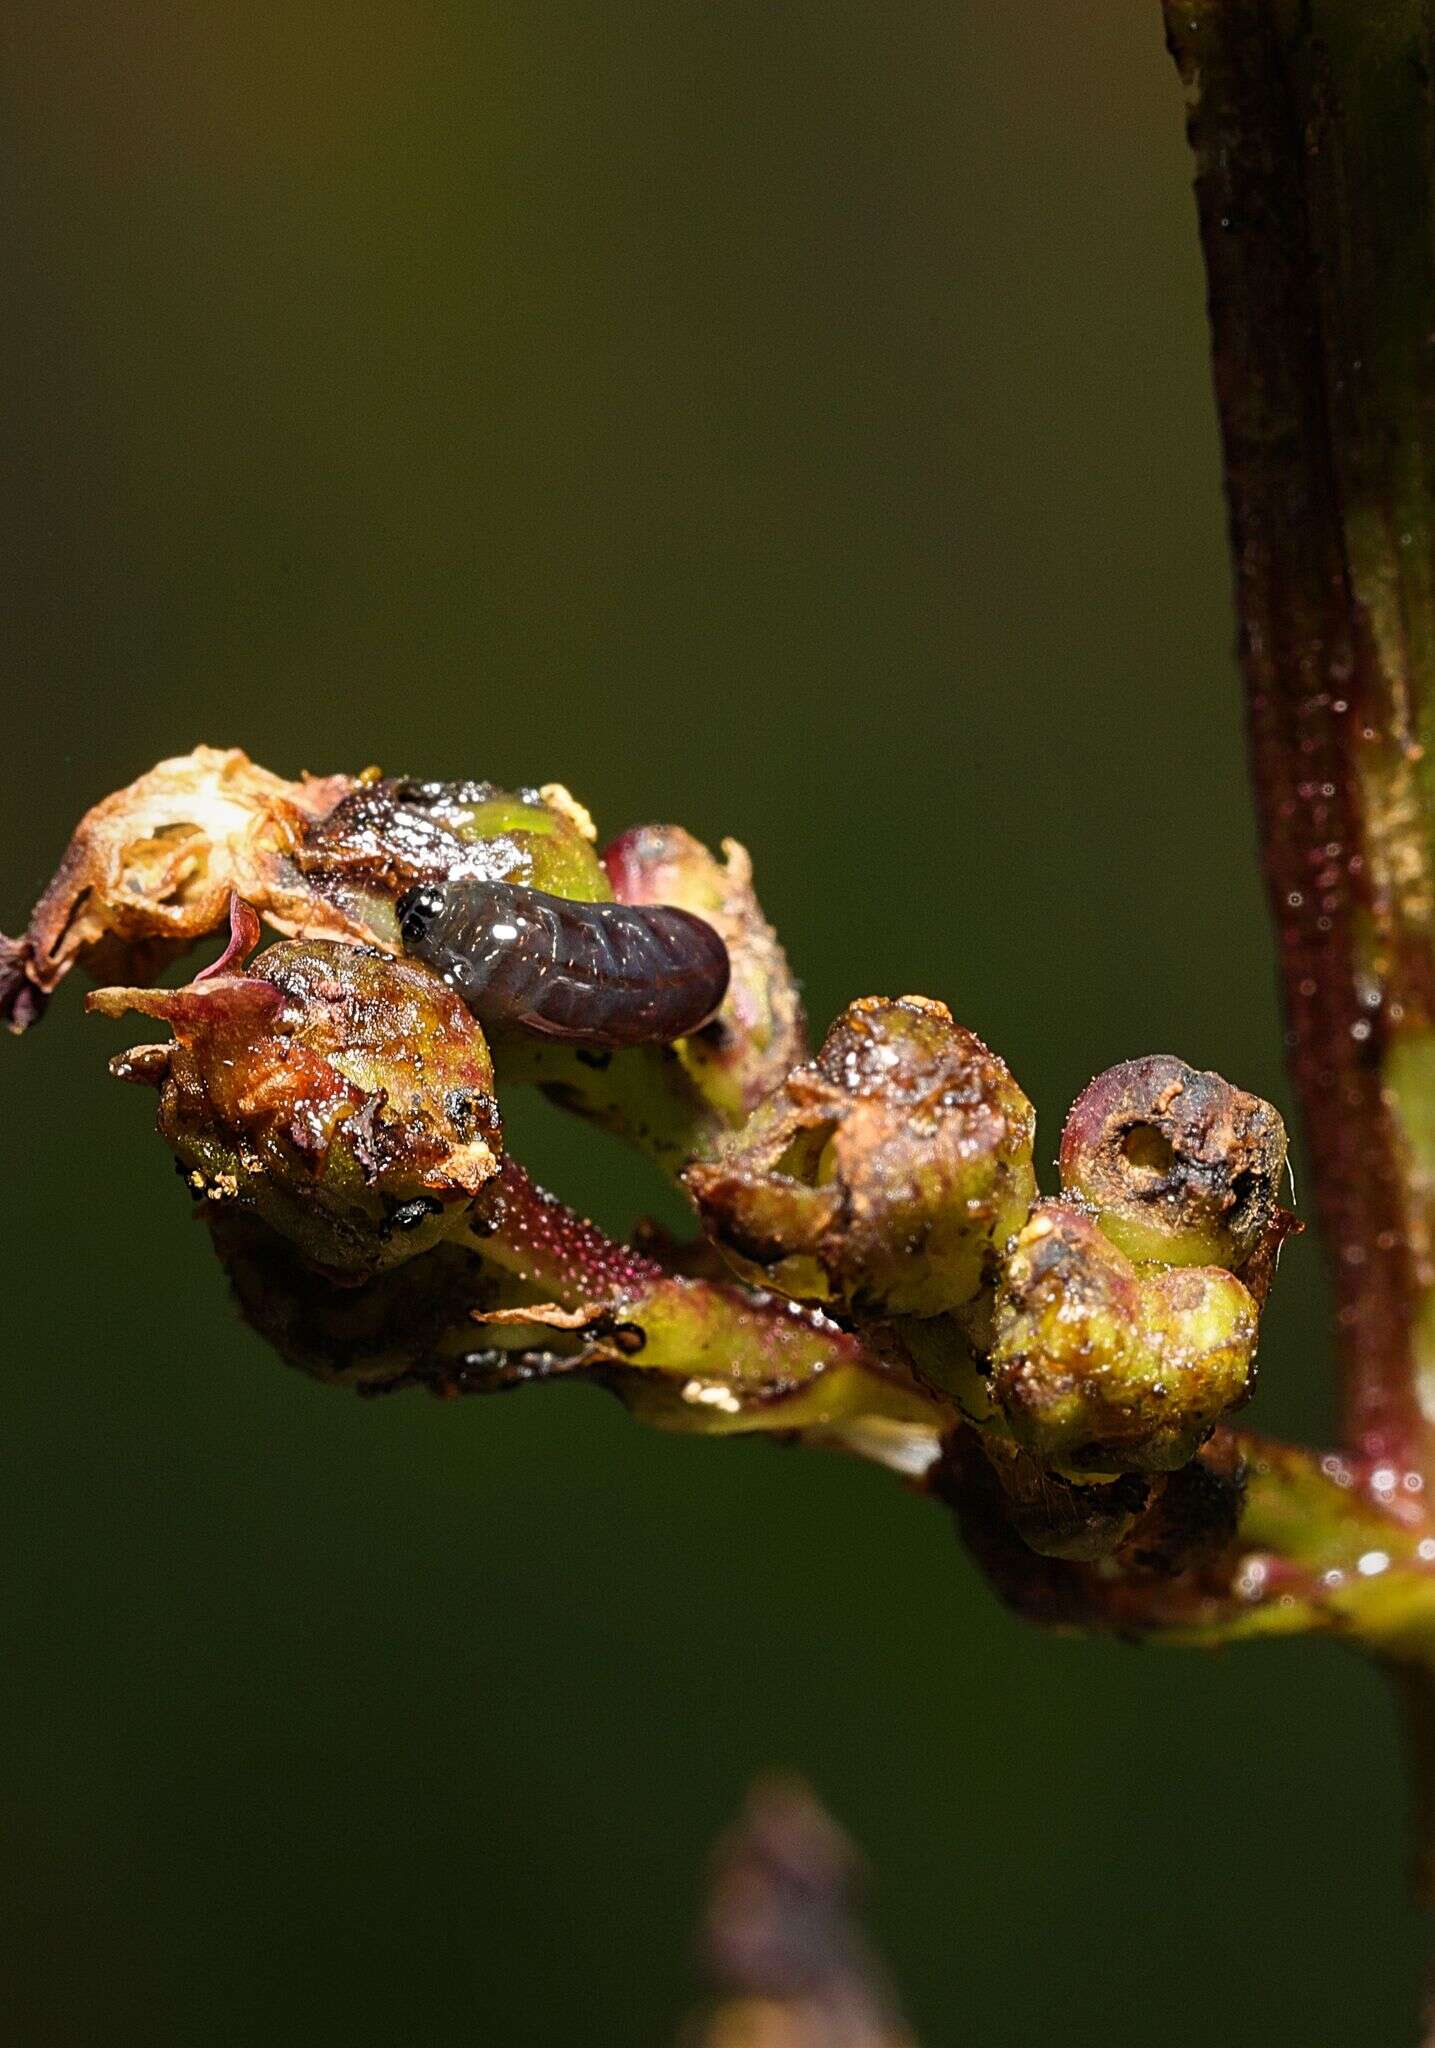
[387, 835]
[1101, 1366]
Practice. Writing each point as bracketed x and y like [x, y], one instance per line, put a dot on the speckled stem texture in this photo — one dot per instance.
[1311, 125]
[1312, 131]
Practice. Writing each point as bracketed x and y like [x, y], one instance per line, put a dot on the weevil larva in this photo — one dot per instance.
[600, 974]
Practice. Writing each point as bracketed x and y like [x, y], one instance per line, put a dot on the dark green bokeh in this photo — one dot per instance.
[792, 420]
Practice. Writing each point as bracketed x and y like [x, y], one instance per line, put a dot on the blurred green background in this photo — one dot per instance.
[792, 420]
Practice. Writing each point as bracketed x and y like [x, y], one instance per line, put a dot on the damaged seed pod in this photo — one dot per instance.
[885, 1172]
[1194, 1513]
[1103, 1367]
[391, 835]
[410, 1325]
[1169, 1571]
[344, 1098]
[1177, 1165]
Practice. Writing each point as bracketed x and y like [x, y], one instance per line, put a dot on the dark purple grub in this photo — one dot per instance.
[600, 974]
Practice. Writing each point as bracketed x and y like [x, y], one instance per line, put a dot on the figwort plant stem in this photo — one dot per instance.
[1313, 129]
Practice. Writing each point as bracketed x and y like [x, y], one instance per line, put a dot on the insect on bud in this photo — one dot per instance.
[886, 1171]
[1100, 1366]
[344, 1098]
[1177, 1165]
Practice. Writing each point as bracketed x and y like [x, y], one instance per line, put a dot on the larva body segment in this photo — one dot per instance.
[599, 974]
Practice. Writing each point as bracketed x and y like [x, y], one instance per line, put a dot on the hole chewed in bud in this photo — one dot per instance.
[886, 1172]
[1178, 1166]
[1145, 1150]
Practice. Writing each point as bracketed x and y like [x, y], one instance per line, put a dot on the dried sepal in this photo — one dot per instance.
[1101, 1366]
[151, 869]
[343, 1097]
[886, 1173]
[1058, 1517]
[759, 1032]
[1178, 1165]
[1177, 1570]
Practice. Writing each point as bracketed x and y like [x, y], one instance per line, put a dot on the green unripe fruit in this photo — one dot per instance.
[1100, 1366]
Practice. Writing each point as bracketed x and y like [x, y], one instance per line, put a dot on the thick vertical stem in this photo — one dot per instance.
[1312, 131]
[1311, 124]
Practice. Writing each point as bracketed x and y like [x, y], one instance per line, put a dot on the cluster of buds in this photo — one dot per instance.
[1093, 1340]
[878, 1267]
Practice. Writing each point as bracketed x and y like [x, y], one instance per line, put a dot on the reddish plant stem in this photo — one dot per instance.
[552, 1247]
[1314, 139]
[1310, 127]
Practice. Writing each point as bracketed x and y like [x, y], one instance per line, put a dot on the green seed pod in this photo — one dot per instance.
[887, 1172]
[1100, 1366]
[344, 1098]
[1177, 1165]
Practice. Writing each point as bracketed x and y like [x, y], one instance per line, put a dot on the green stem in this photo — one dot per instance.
[690, 1354]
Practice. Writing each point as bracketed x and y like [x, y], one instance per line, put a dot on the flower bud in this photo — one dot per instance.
[1177, 1165]
[1100, 1366]
[886, 1172]
[344, 1098]
[759, 1033]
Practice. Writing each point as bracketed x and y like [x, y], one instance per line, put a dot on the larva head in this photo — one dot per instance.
[344, 1098]
[1177, 1165]
[417, 910]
